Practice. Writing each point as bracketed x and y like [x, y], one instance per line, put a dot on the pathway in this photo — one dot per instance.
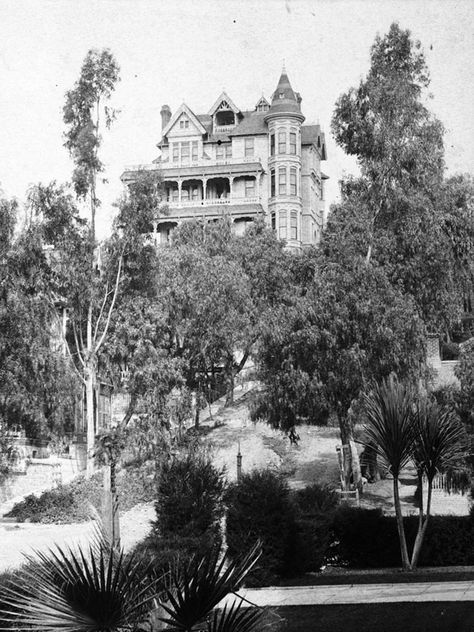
[361, 593]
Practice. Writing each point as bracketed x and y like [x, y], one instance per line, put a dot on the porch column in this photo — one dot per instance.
[180, 183]
[257, 185]
[204, 188]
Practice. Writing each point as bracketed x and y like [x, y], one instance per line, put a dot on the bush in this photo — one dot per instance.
[315, 507]
[367, 539]
[260, 508]
[73, 502]
[189, 500]
[449, 351]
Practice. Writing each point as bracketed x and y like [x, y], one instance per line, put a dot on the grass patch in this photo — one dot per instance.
[74, 501]
[386, 617]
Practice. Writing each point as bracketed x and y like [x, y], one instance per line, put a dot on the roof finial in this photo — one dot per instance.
[283, 70]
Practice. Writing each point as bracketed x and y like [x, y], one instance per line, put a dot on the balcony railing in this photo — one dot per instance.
[202, 162]
[215, 202]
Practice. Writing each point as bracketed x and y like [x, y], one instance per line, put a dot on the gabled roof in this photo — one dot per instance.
[223, 97]
[262, 101]
[183, 109]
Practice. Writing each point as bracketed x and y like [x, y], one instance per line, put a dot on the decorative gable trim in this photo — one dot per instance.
[228, 100]
[183, 109]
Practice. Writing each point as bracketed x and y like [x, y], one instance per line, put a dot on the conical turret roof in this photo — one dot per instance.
[284, 99]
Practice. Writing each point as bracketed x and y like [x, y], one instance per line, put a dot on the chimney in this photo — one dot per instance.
[165, 116]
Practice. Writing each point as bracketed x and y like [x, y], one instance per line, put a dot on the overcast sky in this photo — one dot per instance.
[181, 50]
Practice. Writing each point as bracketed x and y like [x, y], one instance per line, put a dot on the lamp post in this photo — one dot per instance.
[239, 464]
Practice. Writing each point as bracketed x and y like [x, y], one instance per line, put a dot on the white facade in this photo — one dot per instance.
[246, 164]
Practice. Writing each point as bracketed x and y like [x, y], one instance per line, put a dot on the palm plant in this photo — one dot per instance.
[440, 447]
[78, 591]
[389, 427]
[196, 590]
[99, 590]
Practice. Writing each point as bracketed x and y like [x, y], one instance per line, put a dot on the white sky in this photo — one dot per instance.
[171, 51]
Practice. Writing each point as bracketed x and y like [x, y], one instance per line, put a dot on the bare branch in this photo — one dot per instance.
[77, 344]
[112, 305]
[102, 307]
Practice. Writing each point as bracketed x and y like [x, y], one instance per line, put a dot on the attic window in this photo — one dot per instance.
[281, 95]
[225, 117]
[184, 124]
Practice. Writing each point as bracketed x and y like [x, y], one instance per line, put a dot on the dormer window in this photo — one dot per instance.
[225, 117]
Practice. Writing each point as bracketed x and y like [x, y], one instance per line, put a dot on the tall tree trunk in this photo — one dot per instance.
[351, 461]
[422, 525]
[90, 379]
[197, 408]
[229, 400]
[400, 527]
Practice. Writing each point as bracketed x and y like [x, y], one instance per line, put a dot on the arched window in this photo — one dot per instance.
[282, 181]
[293, 142]
[272, 182]
[282, 142]
[273, 221]
[294, 225]
[283, 224]
[293, 181]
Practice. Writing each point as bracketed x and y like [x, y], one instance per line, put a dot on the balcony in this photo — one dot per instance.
[202, 162]
[215, 202]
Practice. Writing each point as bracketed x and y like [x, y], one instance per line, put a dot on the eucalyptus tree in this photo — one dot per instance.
[93, 302]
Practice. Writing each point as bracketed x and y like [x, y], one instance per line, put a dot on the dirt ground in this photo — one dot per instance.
[226, 431]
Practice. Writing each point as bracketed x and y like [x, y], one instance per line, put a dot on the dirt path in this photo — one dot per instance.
[313, 460]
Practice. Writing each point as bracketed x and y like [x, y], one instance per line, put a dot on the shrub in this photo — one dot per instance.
[367, 539]
[260, 508]
[449, 351]
[315, 507]
[189, 499]
[73, 502]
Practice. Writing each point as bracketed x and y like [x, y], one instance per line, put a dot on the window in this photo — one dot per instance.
[184, 152]
[283, 223]
[184, 124]
[249, 188]
[184, 195]
[292, 143]
[282, 181]
[294, 225]
[175, 152]
[195, 193]
[194, 150]
[223, 152]
[293, 187]
[174, 195]
[272, 144]
[272, 183]
[249, 146]
[273, 221]
[282, 142]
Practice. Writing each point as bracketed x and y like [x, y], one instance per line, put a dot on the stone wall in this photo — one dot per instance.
[40, 475]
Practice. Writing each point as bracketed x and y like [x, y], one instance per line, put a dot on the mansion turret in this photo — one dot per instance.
[245, 164]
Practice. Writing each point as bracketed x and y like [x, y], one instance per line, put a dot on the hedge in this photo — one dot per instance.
[368, 539]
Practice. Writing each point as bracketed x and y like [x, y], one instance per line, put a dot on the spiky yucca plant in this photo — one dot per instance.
[440, 446]
[77, 591]
[389, 429]
[196, 589]
[98, 590]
